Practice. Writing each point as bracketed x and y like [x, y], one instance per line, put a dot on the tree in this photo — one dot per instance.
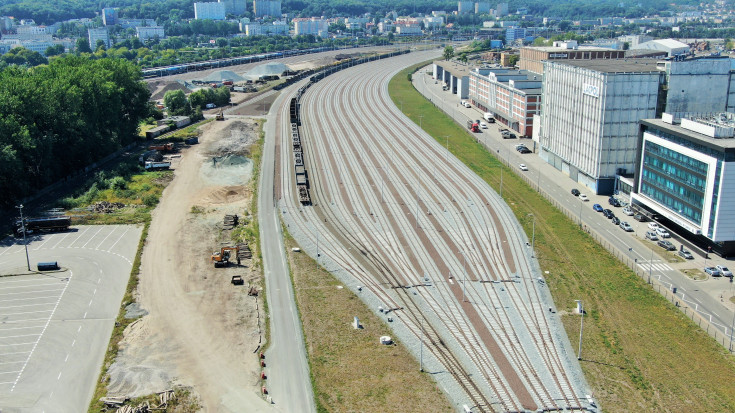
[24, 57]
[83, 45]
[448, 53]
[55, 50]
[175, 101]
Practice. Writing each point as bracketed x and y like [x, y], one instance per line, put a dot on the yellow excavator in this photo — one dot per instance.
[220, 115]
[221, 258]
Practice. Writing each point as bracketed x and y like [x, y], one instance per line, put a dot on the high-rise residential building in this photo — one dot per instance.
[685, 173]
[501, 10]
[277, 28]
[109, 16]
[464, 7]
[482, 8]
[315, 26]
[98, 34]
[236, 7]
[209, 11]
[264, 8]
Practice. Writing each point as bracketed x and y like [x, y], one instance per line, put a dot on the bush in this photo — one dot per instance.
[118, 183]
[150, 200]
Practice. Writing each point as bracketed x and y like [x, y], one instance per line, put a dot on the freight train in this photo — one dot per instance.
[302, 177]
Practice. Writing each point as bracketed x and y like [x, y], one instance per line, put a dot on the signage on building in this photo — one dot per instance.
[558, 55]
[591, 90]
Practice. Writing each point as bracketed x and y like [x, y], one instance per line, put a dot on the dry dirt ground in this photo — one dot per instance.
[200, 330]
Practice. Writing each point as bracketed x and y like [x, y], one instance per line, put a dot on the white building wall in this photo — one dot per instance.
[210, 11]
[724, 229]
[697, 86]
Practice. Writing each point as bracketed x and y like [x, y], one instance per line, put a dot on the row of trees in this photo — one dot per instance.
[179, 105]
[58, 118]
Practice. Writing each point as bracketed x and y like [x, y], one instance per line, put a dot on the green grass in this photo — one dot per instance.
[640, 353]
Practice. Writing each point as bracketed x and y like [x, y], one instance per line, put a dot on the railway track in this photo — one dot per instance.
[391, 209]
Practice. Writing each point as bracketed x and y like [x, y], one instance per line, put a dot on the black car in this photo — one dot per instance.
[524, 150]
[608, 213]
[613, 201]
[575, 192]
[667, 245]
[615, 220]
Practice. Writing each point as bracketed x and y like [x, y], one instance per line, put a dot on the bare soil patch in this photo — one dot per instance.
[200, 330]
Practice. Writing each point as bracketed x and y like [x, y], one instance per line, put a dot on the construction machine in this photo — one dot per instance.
[220, 115]
[222, 258]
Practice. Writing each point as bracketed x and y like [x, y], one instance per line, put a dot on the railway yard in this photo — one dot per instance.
[427, 244]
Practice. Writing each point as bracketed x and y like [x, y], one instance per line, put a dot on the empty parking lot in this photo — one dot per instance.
[54, 326]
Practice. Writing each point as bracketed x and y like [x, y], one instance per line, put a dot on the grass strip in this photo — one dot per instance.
[640, 353]
[350, 370]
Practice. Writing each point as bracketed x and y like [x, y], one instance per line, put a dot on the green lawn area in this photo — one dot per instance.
[640, 353]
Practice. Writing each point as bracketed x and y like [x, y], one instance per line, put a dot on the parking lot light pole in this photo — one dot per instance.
[533, 235]
[581, 328]
[580, 212]
[650, 266]
[464, 279]
[23, 228]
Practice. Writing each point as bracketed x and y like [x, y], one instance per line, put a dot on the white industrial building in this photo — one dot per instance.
[149, 32]
[98, 34]
[209, 11]
[670, 46]
[264, 8]
[685, 173]
[588, 124]
[315, 26]
[278, 28]
[408, 30]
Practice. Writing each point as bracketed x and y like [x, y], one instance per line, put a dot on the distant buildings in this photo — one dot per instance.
[149, 32]
[277, 28]
[236, 7]
[95, 35]
[670, 46]
[315, 26]
[532, 58]
[482, 8]
[464, 7]
[109, 16]
[209, 11]
[264, 8]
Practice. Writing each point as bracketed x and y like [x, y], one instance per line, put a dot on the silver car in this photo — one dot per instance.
[724, 271]
[652, 235]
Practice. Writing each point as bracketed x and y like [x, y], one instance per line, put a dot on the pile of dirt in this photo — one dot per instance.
[234, 137]
[158, 89]
[222, 75]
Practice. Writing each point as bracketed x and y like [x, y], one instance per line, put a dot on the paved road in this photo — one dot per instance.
[710, 298]
[54, 327]
[397, 215]
[289, 383]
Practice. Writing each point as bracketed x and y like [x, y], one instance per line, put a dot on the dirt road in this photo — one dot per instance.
[201, 331]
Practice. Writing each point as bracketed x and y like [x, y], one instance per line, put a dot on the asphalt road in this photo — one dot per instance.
[709, 298]
[55, 326]
[420, 233]
[287, 368]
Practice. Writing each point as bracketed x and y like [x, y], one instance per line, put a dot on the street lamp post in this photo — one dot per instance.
[421, 349]
[581, 328]
[23, 228]
[533, 235]
[650, 266]
[421, 121]
[580, 212]
[464, 279]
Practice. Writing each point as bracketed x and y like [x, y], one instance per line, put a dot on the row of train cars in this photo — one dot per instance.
[302, 178]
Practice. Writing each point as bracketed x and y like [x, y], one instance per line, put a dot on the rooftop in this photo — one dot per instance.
[706, 124]
[580, 48]
[612, 65]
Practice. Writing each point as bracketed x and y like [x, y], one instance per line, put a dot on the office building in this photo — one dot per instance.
[685, 173]
[264, 8]
[315, 26]
[149, 32]
[98, 34]
[591, 108]
[512, 96]
[109, 16]
[209, 11]
[532, 58]
[236, 7]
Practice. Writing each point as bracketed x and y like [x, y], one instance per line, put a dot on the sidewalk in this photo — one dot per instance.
[710, 297]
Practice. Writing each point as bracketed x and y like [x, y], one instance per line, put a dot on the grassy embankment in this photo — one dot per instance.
[640, 353]
[350, 370]
[124, 181]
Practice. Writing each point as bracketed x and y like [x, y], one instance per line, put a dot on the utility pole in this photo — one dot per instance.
[421, 349]
[581, 327]
[23, 228]
[464, 279]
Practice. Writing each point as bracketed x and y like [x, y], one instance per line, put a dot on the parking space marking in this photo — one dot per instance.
[78, 237]
[105, 239]
[118, 240]
[62, 239]
[92, 237]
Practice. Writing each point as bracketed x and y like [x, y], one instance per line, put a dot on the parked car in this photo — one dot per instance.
[597, 207]
[686, 254]
[713, 271]
[667, 245]
[640, 218]
[724, 271]
[613, 201]
[627, 211]
[583, 198]
[523, 167]
[626, 226]
[524, 150]
[653, 225]
[615, 220]
[662, 232]
[467, 105]
[483, 125]
[652, 235]
[608, 213]
[575, 192]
